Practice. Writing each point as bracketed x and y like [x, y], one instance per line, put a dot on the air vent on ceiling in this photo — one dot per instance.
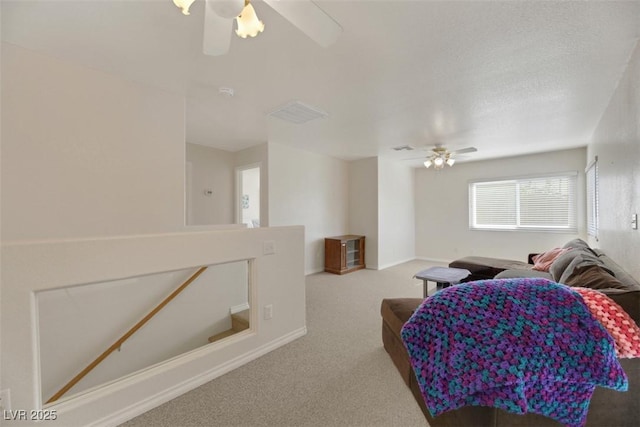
[297, 112]
[404, 147]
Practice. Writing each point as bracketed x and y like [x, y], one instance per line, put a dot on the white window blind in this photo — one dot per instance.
[592, 198]
[540, 203]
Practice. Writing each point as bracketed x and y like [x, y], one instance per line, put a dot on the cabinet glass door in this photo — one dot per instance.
[353, 253]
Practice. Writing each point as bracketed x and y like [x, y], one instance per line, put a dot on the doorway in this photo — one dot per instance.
[188, 194]
[248, 195]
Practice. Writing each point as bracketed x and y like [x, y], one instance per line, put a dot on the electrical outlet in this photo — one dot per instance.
[268, 247]
[5, 400]
[268, 312]
[634, 221]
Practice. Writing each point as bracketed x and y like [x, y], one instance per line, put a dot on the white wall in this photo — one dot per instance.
[278, 280]
[90, 318]
[211, 169]
[363, 206]
[396, 213]
[616, 142]
[85, 153]
[442, 208]
[312, 190]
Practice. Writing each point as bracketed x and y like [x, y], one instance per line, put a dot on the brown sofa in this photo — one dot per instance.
[591, 266]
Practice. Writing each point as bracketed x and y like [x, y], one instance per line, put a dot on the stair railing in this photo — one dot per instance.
[116, 345]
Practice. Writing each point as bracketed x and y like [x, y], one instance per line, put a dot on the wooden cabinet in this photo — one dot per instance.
[343, 254]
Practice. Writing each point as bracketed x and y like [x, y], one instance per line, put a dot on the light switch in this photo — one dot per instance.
[268, 247]
[634, 221]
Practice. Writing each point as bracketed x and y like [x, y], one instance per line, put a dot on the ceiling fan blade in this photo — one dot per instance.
[309, 19]
[217, 32]
[464, 150]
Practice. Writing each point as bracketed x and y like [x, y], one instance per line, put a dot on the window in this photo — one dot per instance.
[540, 203]
[592, 198]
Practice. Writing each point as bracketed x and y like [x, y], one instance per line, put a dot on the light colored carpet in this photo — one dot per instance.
[337, 375]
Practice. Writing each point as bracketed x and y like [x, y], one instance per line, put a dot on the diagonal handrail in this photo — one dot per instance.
[116, 345]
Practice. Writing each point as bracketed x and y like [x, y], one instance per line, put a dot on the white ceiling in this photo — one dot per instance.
[506, 77]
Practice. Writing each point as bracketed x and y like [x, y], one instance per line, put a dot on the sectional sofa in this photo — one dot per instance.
[580, 266]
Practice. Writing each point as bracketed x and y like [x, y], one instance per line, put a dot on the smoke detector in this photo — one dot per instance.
[226, 91]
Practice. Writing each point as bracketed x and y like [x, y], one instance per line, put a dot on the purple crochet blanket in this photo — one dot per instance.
[522, 345]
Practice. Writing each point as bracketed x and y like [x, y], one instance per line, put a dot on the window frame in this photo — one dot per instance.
[572, 211]
[592, 199]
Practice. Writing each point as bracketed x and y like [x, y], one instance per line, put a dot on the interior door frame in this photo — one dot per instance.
[188, 193]
[238, 190]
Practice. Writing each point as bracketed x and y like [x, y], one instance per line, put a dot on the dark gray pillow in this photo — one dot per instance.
[618, 272]
[593, 277]
[576, 244]
[561, 263]
[582, 259]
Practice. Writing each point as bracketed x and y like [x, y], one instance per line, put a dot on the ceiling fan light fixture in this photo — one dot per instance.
[440, 157]
[183, 5]
[248, 22]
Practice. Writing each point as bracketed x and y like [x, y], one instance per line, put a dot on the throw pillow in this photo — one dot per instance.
[625, 332]
[517, 273]
[543, 261]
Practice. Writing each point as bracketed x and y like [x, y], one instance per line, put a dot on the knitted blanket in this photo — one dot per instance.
[522, 345]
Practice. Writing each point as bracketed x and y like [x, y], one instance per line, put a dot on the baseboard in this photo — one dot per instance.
[436, 260]
[166, 395]
[314, 271]
[392, 264]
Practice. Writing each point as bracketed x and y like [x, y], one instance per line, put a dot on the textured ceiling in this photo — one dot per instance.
[506, 77]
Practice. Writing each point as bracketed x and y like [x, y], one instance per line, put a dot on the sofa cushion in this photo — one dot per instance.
[517, 273]
[619, 272]
[543, 261]
[396, 311]
[487, 268]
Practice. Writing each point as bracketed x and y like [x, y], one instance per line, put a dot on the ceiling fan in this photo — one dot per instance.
[219, 16]
[441, 156]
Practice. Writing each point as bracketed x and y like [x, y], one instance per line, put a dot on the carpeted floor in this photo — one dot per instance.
[336, 375]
